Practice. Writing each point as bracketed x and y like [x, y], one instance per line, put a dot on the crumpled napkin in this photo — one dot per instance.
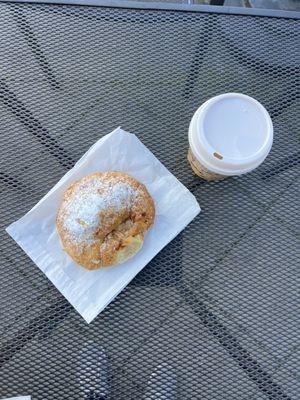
[19, 398]
[91, 291]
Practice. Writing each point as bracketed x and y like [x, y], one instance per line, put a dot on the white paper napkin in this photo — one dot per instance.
[91, 291]
[19, 398]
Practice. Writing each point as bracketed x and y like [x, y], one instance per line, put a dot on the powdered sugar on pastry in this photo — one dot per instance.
[82, 211]
[103, 218]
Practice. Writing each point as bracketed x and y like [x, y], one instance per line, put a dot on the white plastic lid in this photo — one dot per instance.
[231, 134]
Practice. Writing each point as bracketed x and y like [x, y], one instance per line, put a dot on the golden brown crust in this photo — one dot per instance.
[103, 218]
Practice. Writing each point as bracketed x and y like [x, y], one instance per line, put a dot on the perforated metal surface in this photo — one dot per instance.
[219, 307]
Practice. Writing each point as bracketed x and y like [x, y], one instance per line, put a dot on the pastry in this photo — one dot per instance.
[103, 219]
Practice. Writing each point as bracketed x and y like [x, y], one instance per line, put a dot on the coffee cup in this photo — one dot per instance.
[230, 134]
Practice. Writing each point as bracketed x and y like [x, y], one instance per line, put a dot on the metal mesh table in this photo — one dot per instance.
[220, 304]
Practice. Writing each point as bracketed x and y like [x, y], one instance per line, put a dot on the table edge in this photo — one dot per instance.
[144, 5]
